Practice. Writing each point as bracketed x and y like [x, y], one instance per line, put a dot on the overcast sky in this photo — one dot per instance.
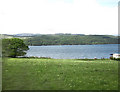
[59, 16]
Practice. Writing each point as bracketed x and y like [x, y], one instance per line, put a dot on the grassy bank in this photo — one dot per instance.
[58, 74]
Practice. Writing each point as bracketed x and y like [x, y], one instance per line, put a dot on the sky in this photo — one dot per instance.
[59, 16]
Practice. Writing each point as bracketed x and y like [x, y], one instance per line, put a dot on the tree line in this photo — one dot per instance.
[71, 40]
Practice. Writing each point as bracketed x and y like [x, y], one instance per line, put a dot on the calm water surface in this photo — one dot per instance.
[73, 51]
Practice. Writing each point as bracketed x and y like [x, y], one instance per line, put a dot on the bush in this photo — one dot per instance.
[114, 58]
[111, 57]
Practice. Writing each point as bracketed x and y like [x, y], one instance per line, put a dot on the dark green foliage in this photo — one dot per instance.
[64, 39]
[13, 47]
[114, 58]
[111, 58]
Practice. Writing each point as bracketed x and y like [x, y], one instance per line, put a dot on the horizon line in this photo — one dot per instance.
[55, 33]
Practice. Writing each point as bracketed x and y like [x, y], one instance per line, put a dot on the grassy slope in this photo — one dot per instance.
[53, 74]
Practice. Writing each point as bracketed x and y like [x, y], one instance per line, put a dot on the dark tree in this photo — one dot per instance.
[13, 47]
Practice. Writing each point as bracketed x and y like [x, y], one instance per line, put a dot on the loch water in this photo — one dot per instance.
[73, 51]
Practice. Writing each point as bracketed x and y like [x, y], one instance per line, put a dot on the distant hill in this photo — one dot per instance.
[71, 39]
[2, 36]
[64, 39]
[24, 34]
[21, 36]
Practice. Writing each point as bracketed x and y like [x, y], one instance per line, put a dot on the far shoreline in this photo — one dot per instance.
[71, 45]
[34, 57]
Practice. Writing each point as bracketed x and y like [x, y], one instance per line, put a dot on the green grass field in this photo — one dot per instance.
[59, 74]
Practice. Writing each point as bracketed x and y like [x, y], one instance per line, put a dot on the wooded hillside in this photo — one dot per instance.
[70, 39]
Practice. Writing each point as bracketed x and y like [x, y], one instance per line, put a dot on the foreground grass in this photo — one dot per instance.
[56, 74]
